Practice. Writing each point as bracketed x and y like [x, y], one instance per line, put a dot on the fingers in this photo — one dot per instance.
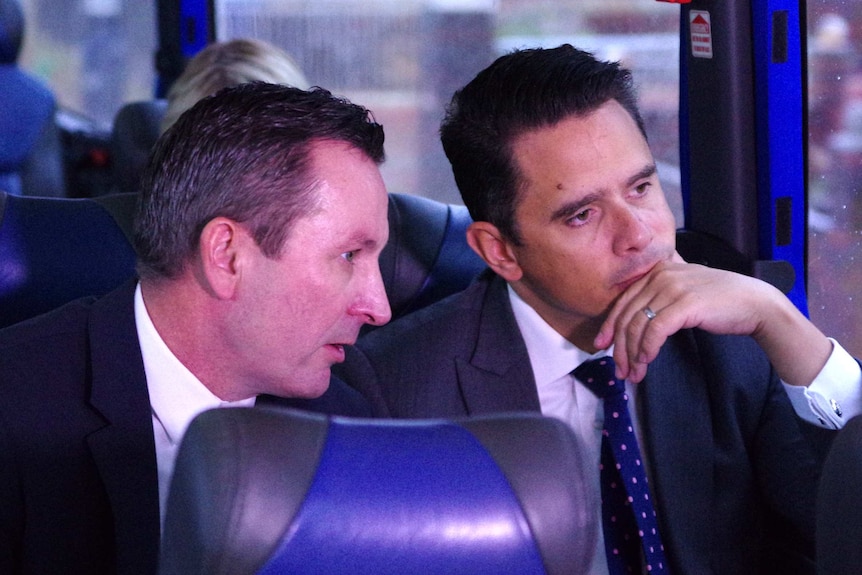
[642, 339]
[631, 349]
[640, 331]
[641, 320]
[680, 295]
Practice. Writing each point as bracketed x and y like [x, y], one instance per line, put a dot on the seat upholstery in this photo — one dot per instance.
[427, 256]
[266, 492]
[54, 250]
[839, 505]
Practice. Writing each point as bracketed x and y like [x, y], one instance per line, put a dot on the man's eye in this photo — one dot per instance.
[643, 188]
[349, 255]
[580, 218]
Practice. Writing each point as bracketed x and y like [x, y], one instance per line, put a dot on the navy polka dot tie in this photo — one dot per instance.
[628, 519]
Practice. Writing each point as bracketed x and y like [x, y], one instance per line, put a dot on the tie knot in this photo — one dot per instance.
[598, 376]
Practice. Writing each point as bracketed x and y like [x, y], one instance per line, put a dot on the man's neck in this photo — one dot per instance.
[581, 331]
[189, 333]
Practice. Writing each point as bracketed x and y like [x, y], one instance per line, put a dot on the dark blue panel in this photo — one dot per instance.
[55, 250]
[195, 25]
[779, 101]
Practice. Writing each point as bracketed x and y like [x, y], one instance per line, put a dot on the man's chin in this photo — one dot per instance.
[310, 386]
[322, 384]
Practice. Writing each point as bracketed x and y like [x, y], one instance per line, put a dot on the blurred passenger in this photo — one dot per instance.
[263, 213]
[219, 65]
[224, 64]
[31, 161]
[550, 156]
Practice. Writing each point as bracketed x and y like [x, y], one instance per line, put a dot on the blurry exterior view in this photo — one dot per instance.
[401, 58]
[404, 58]
[835, 168]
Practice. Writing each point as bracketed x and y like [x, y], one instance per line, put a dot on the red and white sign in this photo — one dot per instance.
[700, 29]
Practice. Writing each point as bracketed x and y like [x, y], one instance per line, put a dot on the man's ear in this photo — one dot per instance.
[220, 250]
[487, 241]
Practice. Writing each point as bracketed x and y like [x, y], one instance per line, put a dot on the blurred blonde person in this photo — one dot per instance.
[223, 64]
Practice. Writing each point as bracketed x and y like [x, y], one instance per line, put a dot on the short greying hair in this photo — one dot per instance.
[242, 153]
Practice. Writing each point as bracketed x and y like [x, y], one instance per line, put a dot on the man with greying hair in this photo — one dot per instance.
[725, 378]
[261, 219]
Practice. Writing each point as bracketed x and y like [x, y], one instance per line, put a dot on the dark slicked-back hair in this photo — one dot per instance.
[244, 154]
[522, 91]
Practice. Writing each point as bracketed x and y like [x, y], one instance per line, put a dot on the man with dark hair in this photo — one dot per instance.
[549, 153]
[262, 217]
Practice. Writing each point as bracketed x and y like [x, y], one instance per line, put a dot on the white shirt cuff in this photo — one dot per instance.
[835, 395]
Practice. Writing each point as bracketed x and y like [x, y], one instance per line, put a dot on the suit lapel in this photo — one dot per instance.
[673, 406]
[498, 376]
[124, 450]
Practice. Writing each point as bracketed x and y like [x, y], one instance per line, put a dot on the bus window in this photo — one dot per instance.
[404, 58]
[835, 168]
[94, 54]
[401, 58]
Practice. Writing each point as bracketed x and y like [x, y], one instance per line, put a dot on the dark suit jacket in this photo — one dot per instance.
[729, 465]
[78, 478]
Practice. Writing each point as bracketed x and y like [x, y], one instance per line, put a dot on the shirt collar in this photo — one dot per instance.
[551, 355]
[176, 395]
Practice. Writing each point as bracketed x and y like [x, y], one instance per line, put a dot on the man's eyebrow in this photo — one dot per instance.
[362, 240]
[570, 208]
[646, 172]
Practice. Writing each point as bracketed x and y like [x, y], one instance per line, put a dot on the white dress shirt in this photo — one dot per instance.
[834, 397]
[176, 396]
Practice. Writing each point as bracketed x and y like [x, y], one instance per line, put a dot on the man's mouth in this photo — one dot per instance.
[638, 269]
[627, 283]
[337, 350]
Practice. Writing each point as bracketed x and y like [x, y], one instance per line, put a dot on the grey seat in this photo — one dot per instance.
[265, 492]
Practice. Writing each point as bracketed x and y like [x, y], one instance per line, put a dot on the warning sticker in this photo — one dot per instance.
[700, 29]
